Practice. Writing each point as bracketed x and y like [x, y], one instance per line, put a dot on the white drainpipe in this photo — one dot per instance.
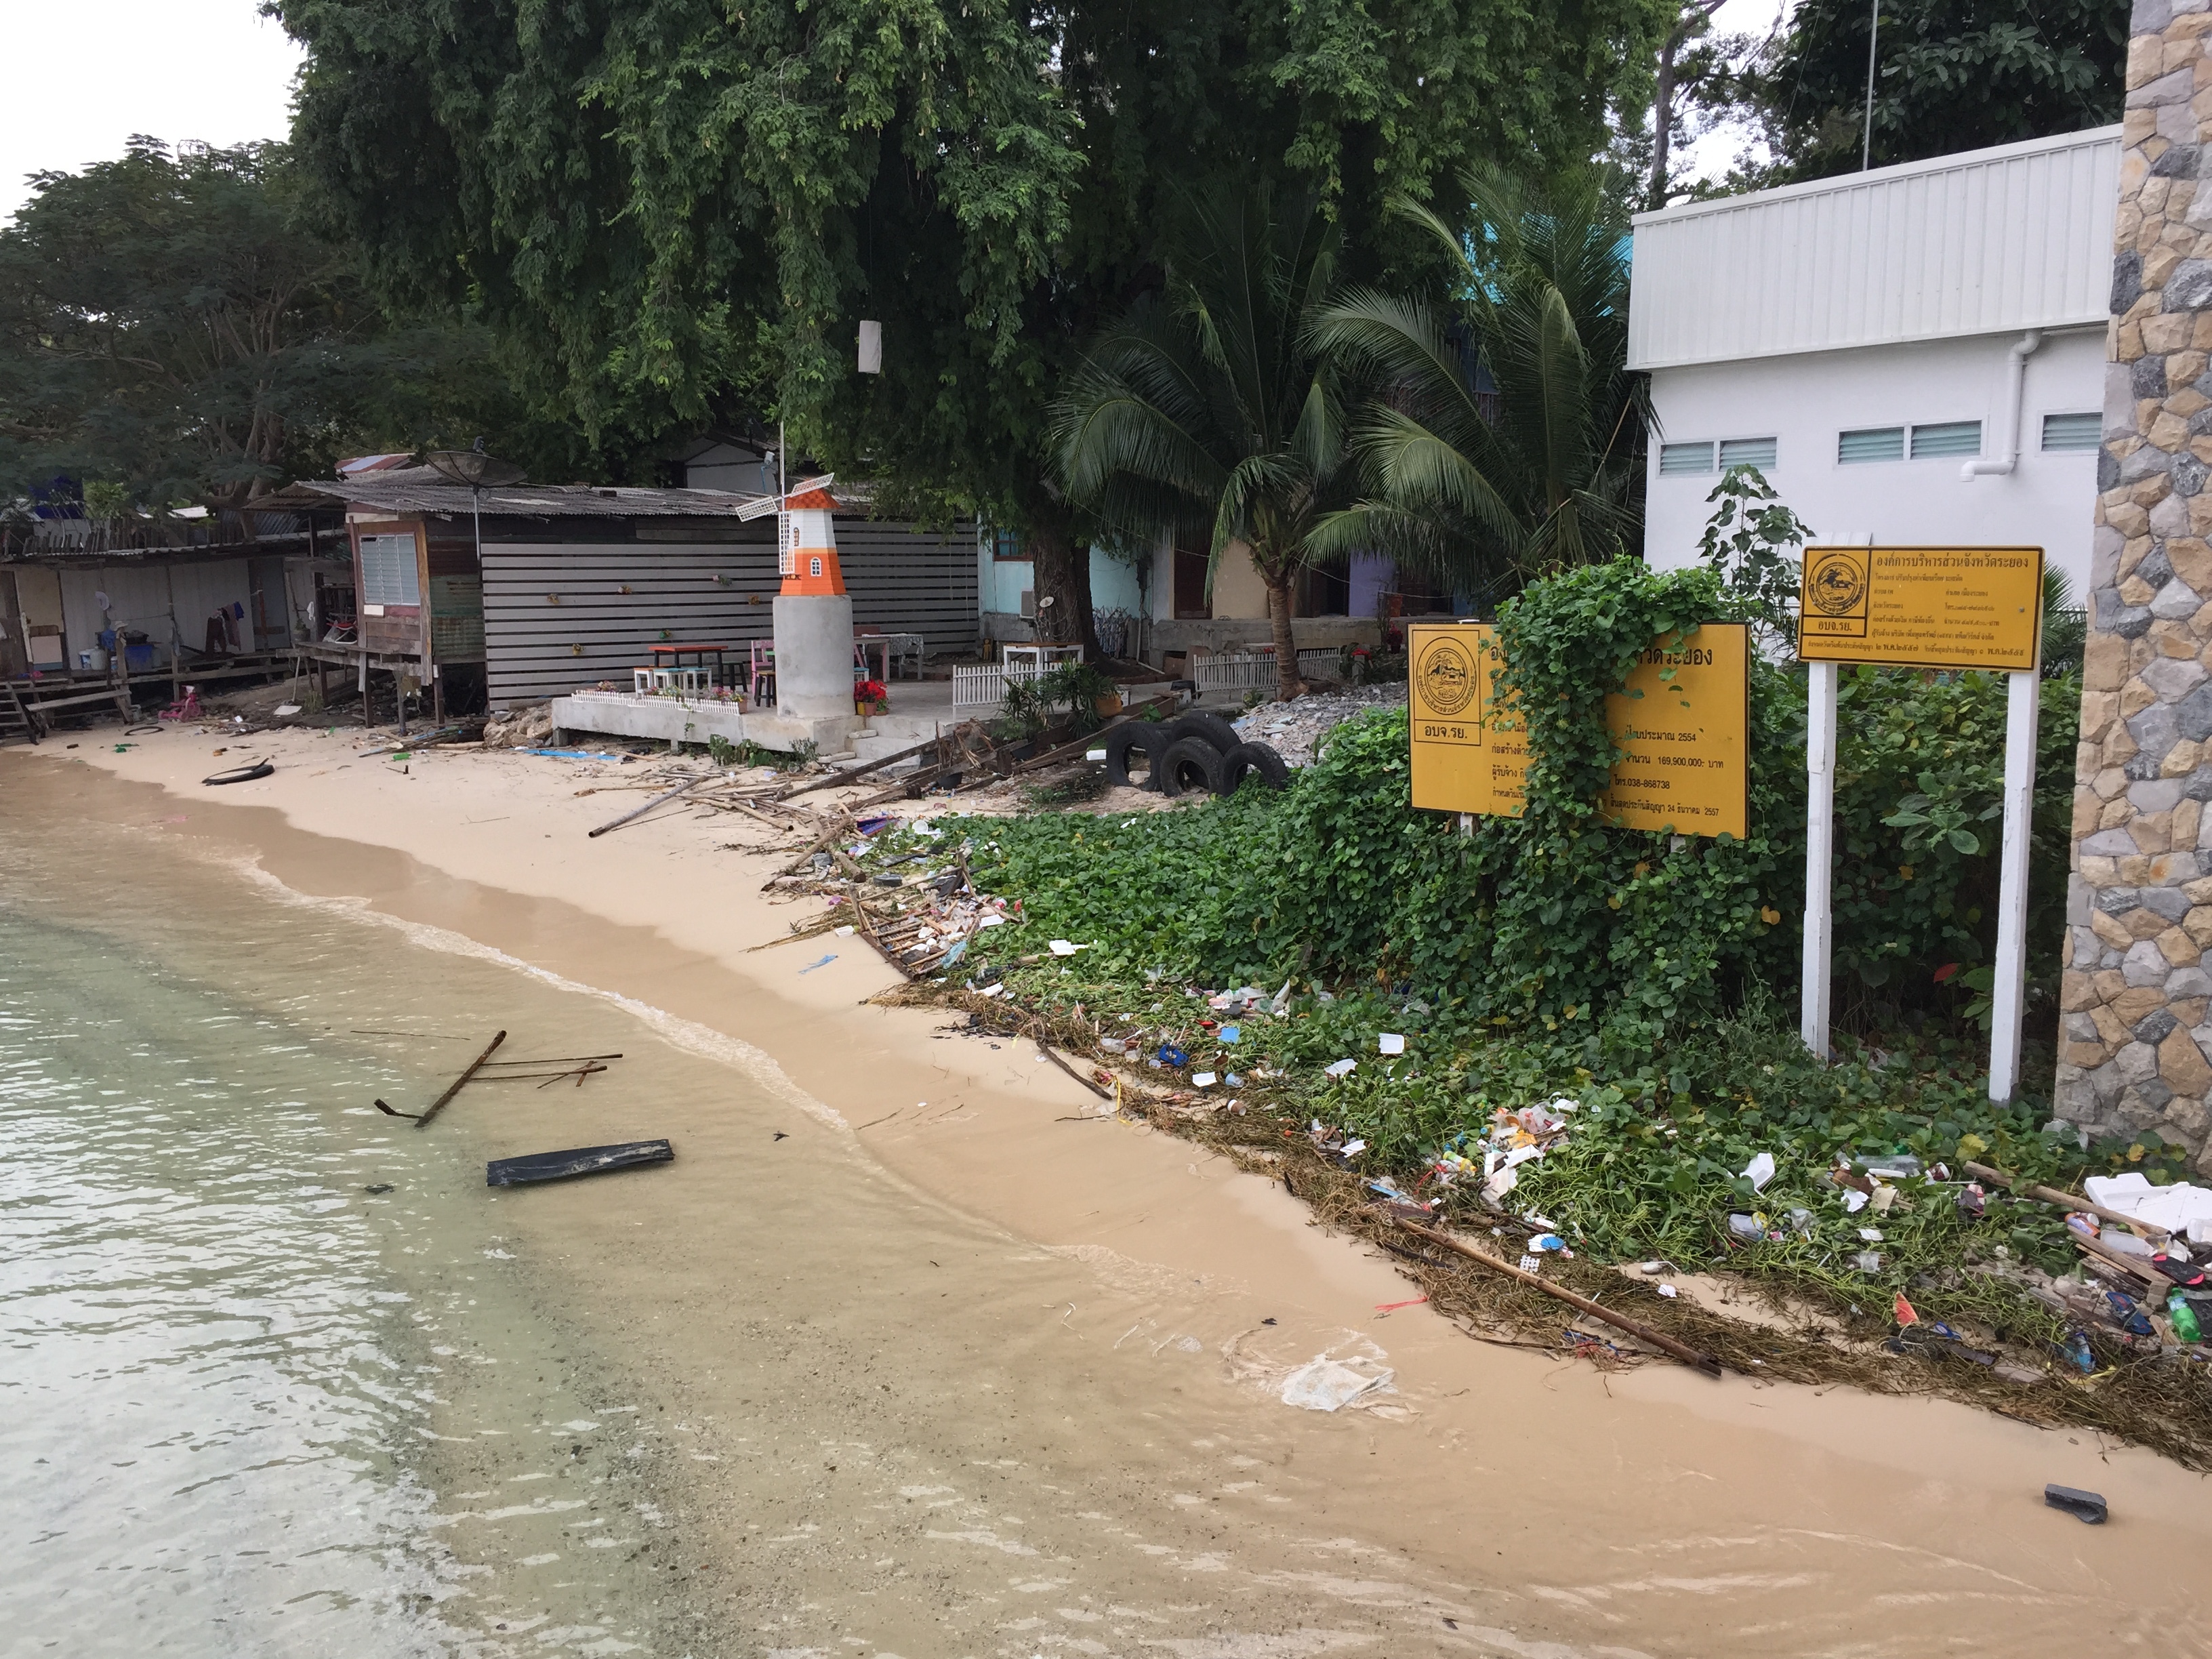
[2016, 385]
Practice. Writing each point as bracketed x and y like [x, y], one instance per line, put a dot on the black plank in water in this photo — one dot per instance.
[576, 1161]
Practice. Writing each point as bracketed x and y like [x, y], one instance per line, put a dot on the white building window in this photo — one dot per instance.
[1749, 452]
[1946, 440]
[1878, 443]
[387, 571]
[1685, 458]
[2071, 431]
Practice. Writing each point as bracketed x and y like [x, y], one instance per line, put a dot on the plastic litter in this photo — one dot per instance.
[1759, 1171]
[1061, 947]
[2179, 1208]
[1868, 1261]
[1668, 1290]
[1323, 1384]
[1906, 1315]
[2088, 1507]
[1854, 1201]
[1340, 1068]
[1352, 1148]
[1750, 1228]
[823, 962]
[1230, 1034]
[1203, 1080]
[1390, 1042]
[1171, 1055]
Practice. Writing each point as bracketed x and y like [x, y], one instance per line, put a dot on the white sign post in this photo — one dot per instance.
[1931, 608]
[2007, 994]
[1820, 852]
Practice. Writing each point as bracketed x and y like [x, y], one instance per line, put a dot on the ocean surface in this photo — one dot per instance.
[240, 1308]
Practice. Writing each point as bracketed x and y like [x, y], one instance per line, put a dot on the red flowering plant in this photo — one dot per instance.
[872, 695]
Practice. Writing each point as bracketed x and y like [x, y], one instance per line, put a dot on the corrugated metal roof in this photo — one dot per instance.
[1989, 241]
[419, 489]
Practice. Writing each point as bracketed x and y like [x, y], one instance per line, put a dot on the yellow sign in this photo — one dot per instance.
[1922, 607]
[1466, 756]
[1687, 737]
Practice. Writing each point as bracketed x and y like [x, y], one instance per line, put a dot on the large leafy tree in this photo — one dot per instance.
[1209, 403]
[1949, 75]
[1508, 436]
[170, 330]
[680, 210]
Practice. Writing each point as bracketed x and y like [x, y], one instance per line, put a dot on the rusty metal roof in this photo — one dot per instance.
[421, 489]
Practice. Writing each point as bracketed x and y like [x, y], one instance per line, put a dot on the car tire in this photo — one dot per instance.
[1210, 728]
[1191, 765]
[1247, 758]
[1146, 738]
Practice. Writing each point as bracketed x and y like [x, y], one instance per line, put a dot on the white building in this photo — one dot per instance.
[1914, 353]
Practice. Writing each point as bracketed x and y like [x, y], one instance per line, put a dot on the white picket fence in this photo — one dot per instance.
[984, 685]
[1252, 671]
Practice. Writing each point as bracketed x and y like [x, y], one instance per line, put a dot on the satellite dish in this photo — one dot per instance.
[472, 467]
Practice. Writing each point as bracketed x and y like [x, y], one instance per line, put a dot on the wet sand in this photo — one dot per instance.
[1526, 1500]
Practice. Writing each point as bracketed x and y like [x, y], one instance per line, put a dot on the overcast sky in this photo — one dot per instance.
[90, 73]
[86, 74]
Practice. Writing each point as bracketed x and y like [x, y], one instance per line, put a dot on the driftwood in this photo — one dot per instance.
[616, 824]
[422, 1118]
[2067, 1200]
[832, 779]
[1689, 1356]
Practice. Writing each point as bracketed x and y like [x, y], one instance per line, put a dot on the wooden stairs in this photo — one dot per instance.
[17, 723]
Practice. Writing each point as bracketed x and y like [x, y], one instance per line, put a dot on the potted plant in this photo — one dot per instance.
[871, 697]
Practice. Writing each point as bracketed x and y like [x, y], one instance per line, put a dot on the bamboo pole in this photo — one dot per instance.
[1694, 1357]
[617, 823]
[2070, 1200]
[475, 1066]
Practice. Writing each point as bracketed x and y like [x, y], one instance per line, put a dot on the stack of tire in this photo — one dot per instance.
[1195, 753]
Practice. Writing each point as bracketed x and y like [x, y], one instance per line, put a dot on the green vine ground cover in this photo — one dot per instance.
[1651, 981]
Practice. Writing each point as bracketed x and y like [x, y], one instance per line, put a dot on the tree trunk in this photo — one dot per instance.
[1059, 571]
[1662, 121]
[1288, 684]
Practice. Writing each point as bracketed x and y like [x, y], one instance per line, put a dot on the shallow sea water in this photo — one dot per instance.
[238, 1306]
[254, 1406]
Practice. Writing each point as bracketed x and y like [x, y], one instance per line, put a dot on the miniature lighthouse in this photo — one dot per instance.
[813, 613]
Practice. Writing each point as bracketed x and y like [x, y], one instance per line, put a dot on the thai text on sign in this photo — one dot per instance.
[1683, 720]
[1922, 607]
[1468, 754]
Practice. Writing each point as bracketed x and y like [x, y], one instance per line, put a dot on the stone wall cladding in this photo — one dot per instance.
[2136, 1037]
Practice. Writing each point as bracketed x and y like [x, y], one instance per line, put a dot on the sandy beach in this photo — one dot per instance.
[1502, 1502]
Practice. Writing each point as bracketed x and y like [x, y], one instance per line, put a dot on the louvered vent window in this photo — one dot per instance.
[2082, 431]
[1747, 451]
[1878, 443]
[387, 571]
[1946, 439]
[1685, 458]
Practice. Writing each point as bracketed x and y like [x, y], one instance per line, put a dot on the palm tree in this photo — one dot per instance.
[1502, 439]
[1209, 403]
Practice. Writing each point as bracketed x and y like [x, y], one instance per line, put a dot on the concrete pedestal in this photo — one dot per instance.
[814, 655]
[669, 720]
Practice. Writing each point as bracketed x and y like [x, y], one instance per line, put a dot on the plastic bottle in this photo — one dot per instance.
[2184, 1317]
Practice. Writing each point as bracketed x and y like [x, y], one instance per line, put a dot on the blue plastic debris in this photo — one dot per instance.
[1171, 1055]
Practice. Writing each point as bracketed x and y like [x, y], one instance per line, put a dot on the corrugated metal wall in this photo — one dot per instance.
[1995, 240]
[558, 616]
